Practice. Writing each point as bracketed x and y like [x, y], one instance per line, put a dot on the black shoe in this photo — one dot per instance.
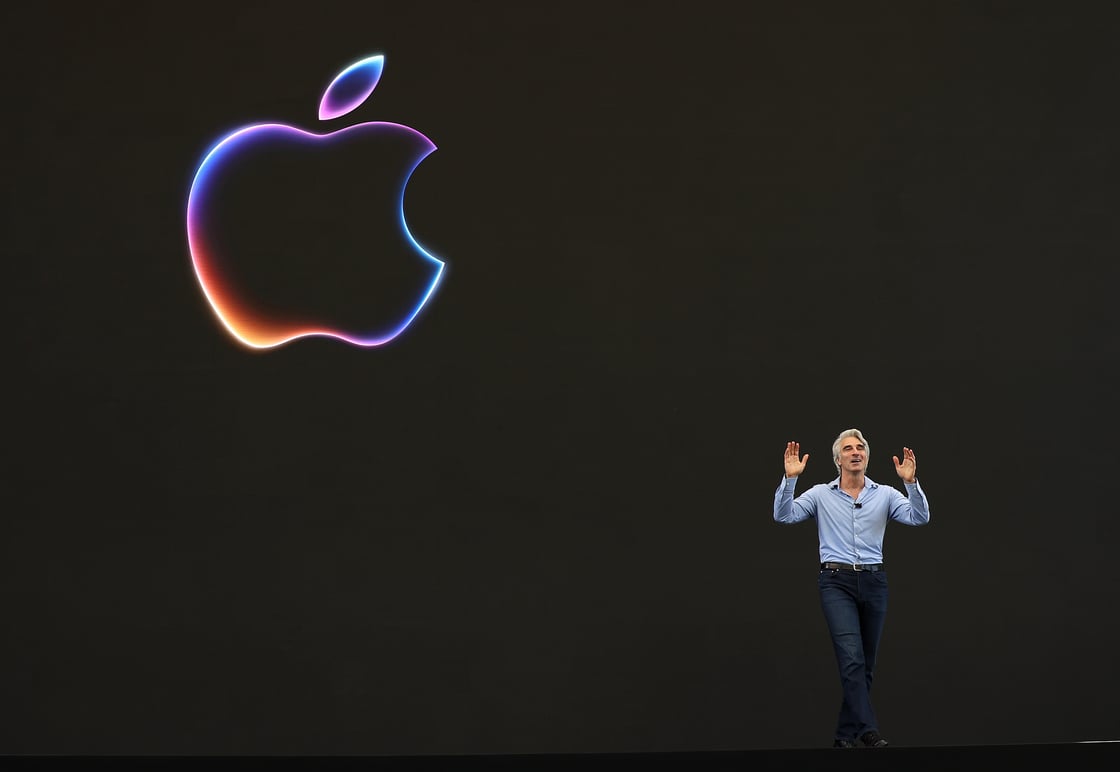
[873, 739]
[844, 743]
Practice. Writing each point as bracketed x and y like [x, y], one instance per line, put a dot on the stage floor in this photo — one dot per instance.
[1072, 756]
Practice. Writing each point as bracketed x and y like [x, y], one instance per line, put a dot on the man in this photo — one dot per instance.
[852, 513]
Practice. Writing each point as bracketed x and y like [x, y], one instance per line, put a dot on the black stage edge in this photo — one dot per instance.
[1073, 756]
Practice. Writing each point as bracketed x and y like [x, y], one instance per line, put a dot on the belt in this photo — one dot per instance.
[854, 566]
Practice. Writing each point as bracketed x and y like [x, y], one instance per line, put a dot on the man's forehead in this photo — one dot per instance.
[852, 442]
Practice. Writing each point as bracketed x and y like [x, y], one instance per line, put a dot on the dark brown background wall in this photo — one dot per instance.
[540, 520]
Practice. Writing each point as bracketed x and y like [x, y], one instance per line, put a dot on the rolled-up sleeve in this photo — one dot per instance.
[786, 508]
[913, 508]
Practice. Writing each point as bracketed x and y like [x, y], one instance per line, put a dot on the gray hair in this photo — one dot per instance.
[840, 439]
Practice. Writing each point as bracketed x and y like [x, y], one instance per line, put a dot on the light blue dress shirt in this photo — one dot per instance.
[851, 530]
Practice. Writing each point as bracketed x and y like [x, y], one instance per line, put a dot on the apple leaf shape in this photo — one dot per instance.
[351, 87]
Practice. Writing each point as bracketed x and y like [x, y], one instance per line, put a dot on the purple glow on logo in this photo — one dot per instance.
[351, 87]
[240, 311]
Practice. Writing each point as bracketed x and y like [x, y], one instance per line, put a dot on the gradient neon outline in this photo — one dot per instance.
[365, 74]
[260, 333]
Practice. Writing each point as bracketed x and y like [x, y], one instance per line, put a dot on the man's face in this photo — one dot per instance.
[853, 455]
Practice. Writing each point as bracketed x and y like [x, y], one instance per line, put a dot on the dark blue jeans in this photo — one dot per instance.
[855, 607]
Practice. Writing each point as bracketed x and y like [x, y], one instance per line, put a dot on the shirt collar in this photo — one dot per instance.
[867, 483]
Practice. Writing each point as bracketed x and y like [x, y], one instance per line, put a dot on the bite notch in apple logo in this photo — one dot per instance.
[295, 234]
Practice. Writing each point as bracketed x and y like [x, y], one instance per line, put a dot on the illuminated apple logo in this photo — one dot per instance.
[295, 234]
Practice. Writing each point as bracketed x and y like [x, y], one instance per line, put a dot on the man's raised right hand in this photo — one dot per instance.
[794, 465]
